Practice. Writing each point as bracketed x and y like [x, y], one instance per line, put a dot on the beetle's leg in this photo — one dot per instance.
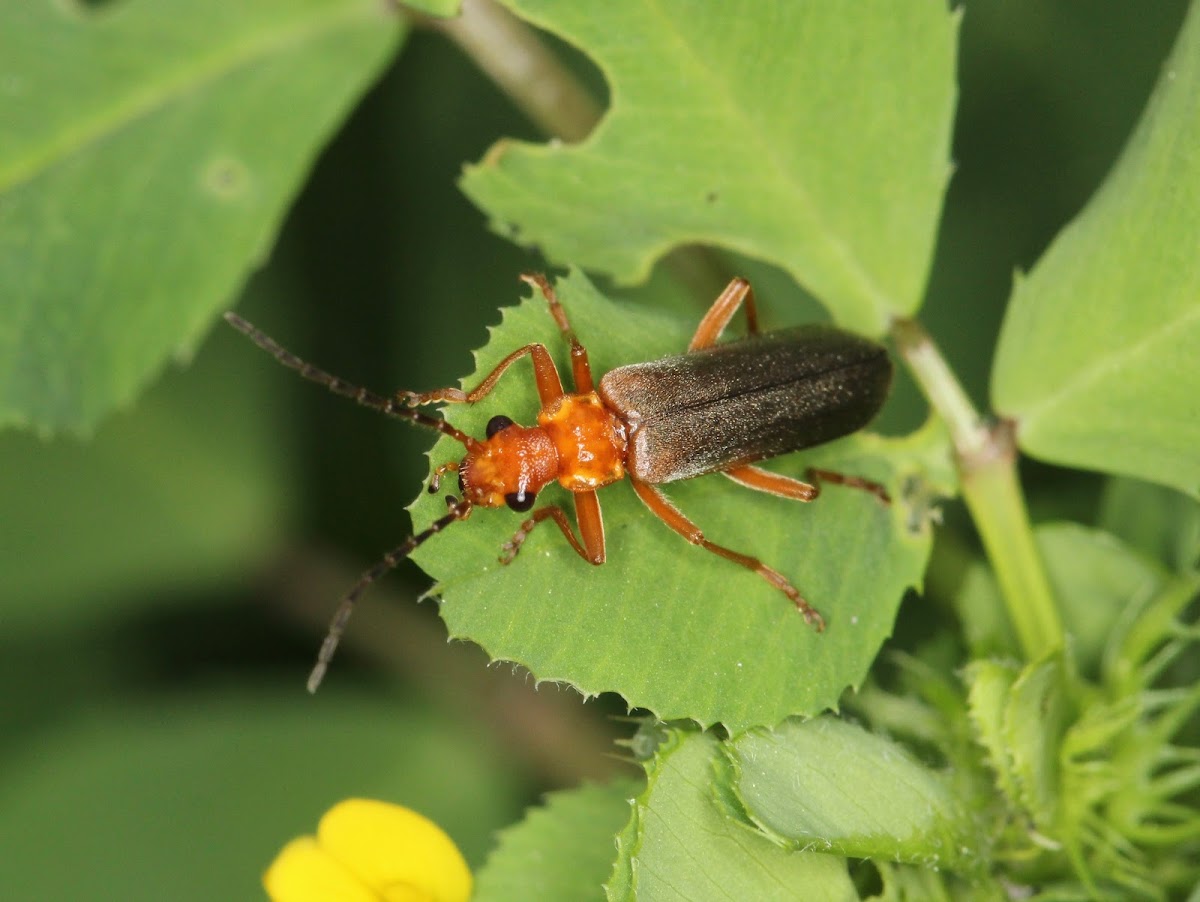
[591, 525]
[855, 482]
[662, 508]
[736, 293]
[435, 481]
[773, 483]
[581, 369]
[798, 490]
[549, 385]
[552, 512]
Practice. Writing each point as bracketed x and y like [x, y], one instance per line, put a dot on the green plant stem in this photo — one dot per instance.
[987, 464]
[512, 55]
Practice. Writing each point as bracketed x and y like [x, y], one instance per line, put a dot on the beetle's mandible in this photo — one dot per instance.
[718, 408]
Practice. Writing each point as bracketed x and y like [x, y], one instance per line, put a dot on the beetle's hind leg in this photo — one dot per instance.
[853, 482]
[662, 508]
[797, 489]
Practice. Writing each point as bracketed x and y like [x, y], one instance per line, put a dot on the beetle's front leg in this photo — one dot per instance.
[509, 549]
[549, 385]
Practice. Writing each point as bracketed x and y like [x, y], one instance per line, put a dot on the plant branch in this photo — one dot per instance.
[987, 463]
[512, 55]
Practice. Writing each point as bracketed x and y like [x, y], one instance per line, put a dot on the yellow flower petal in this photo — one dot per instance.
[403, 856]
[304, 872]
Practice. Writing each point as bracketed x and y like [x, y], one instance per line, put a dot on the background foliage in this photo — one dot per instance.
[153, 681]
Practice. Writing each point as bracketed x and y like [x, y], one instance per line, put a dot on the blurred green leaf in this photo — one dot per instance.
[681, 845]
[671, 627]
[989, 686]
[811, 135]
[1036, 715]
[909, 883]
[190, 799]
[1097, 580]
[831, 785]
[435, 7]
[562, 852]
[151, 152]
[1153, 519]
[1097, 358]
[162, 499]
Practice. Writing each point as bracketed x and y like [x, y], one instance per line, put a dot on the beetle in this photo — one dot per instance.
[717, 408]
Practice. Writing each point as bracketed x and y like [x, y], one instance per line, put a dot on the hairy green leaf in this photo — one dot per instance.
[831, 785]
[672, 627]
[562, 852]
[681, 844]
[989, 685]
[151, 150]
[1097, 360]
[811, 135]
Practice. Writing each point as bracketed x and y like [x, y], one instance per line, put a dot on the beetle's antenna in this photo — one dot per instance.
[367, 398]
[459, 510]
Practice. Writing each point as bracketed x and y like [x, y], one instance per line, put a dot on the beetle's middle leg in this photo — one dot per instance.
[662, 508]
[773, 483]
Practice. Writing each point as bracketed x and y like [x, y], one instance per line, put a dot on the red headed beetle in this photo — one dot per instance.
[718, 408]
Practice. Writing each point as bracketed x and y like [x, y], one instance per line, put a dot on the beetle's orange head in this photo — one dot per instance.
[509, 467]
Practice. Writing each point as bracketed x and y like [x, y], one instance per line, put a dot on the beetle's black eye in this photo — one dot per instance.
[520, 501]
[497, 423]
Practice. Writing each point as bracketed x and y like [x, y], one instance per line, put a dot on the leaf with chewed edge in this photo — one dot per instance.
[814, 136]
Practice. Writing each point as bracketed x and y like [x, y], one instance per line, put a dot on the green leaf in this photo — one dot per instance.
[811, 135]
[151, 151]
[1097, 358]
[562, 852]
[435, 7]
[160, 499]
[989, 687]
[907, 883]
[672, 627]
[681, 845]
[1097, 579]
[831, 785]
[1036, 715]
[1154, 520]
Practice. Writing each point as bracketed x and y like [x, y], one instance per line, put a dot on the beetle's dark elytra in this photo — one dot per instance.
[746, 400]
